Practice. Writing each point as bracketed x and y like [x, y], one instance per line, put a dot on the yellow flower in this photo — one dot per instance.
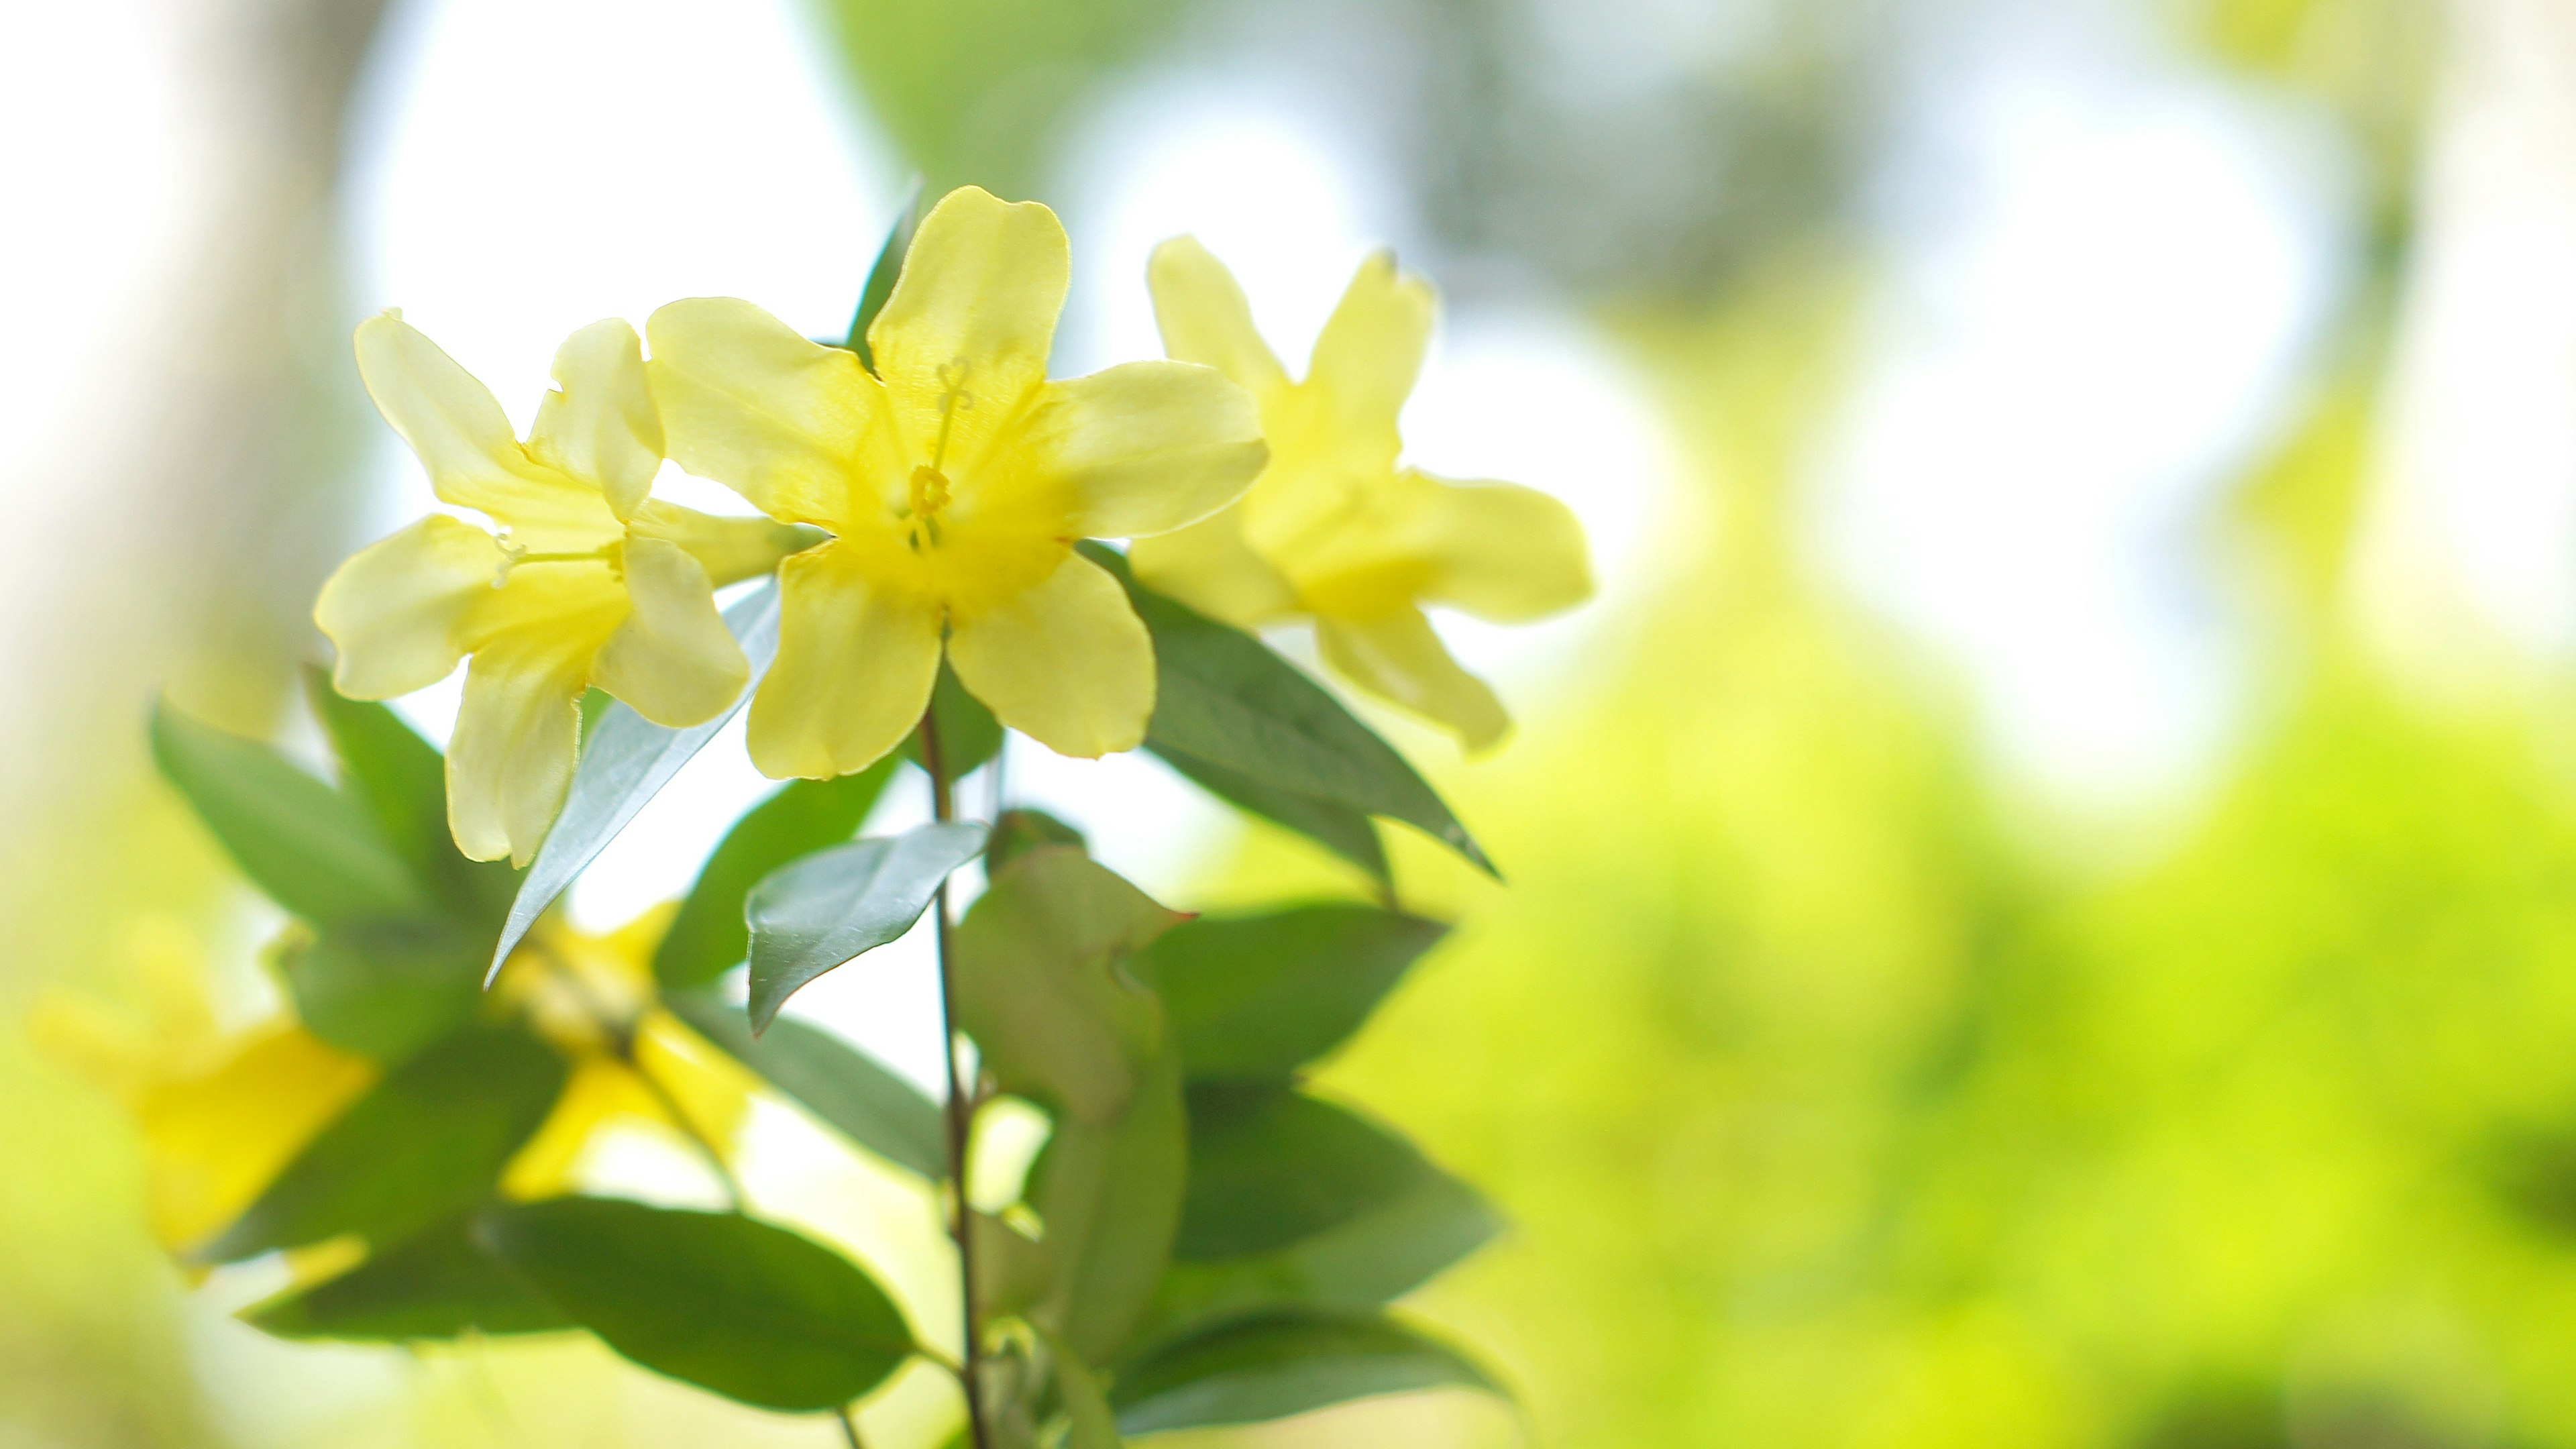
[591, 582]
[1334, 530]
[955, 481]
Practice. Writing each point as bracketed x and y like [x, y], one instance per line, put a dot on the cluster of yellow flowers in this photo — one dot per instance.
[950, 485]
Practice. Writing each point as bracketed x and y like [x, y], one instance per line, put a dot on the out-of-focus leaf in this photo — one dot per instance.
[314, 850]
[437, 1284]
[709, 936]
[969, 736]
[1346, 832]
[1020, 831]
[1257, 997]
[402, 781]
[1111, 1198]
[1089, 1422]
[743, 1308]
[428, 1142]
[384, 988]
[1041, 985]
[1223, 697]
[1370, 1260]
[1012, 1270]
[881, 277]
[1269, 1367]
[1269, 1167]
[625, 762]
[831, 907]
[835, 1081]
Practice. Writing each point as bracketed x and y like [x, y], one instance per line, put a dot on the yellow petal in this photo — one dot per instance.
[711, 1089]
[729, 548]
[1497, 550]
[1205, 319]
[779, 419]
[213, 1143]
[855, 666]
[1209, 567]
[396, 610]
[672, 661]
[1367, 359]
[599, 425]
[464, 441]
[600, 1092]
[1147, 447]
[519, 725]
[964, 339]
[1397, 657]
[1066, 663]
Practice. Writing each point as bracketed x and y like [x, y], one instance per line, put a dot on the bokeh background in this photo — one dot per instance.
[2042, 900]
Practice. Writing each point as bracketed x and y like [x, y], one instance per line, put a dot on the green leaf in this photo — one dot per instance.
[437, 1284]
[835, 1081]
[1270, 1167]
[384, 988]
[1269, 1367]
[1223, 697]
[881, 277]
[1089, 1422]
[1012, 1270]
[625, 762]
[969, 736]
[1110, 1194]
[1020, 831]
[831, 907]
[1370, 1260]
[1040, 983]
[743, 1308]
[429, 1141]
[401, 779]
[709, 937]
[311, 848]
[1346, 832]
[1257, 997]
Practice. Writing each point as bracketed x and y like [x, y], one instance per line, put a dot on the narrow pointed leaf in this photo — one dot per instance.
[838, 1083]
[739, 1307]
[437, 1284]
[1271, 1367]
[314, 850]
[830, 907]
[1225, 698]
[1270, 1167]
[1111, 1198]
[882, 276]
[402, 781]
[1346, 832]
[1254, 998]
[709, 937]
[385, 988]
[429, 1141]
[1364, 1263]
[625, 762]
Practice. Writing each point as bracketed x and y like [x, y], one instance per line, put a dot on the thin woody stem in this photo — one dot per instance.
[960, 1107]
[850, 1428]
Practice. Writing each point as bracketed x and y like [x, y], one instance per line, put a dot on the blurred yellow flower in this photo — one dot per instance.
[590, 583]
[955, 481]
[1334, 530]
[220, 1113]
[633, 1063]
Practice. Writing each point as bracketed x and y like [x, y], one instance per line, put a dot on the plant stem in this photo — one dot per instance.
[850, 1428]
[960, 1113]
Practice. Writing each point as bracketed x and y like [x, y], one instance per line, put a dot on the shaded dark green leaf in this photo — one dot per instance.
[437, 1284]
[625, 762]
[429, 1141]
[1111, 1198]
[709, 937]
[881, 277]
[742, 1308]
[1225, 698]
[831, 907]
[1270, 1167]
[969, 736]
[314, 850]
[1020, 831]
[402, 781]
[1270, 1367]
[835, 1081]
[1257, 997]
[1041, 985]
[1346, 832]
[386, 988]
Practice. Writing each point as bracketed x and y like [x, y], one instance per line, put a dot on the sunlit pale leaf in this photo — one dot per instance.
[831, 907]
[1346, 832]
[1111, 1199]
[709, 936]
